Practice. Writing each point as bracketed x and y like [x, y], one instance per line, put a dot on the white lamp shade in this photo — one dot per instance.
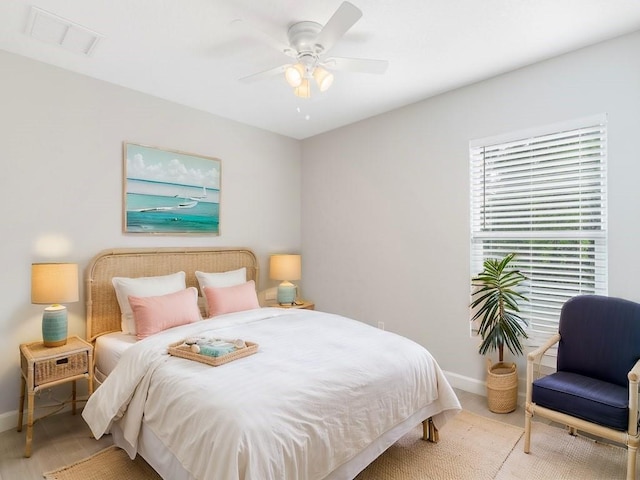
[285, 267]
[294, 74]
[54, 283]
[323, 78]
[304, 90]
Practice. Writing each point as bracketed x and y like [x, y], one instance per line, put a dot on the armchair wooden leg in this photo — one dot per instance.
[631, 462]
[527, 431]
[573, 431]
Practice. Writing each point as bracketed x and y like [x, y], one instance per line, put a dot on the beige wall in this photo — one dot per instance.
[385, 202]
[61, 135]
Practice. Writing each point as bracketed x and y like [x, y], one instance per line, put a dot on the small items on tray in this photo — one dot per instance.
[212, 351]
[214, 347]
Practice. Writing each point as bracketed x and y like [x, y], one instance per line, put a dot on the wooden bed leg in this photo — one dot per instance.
[434, 436]
[429, 431]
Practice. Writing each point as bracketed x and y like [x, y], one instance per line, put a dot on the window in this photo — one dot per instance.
[542, 195]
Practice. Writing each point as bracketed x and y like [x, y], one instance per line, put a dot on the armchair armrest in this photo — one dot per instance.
[634, 373]
[634, 377]
[536, 355]
[541, 350]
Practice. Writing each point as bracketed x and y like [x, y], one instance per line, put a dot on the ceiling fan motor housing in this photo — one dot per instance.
[302, 37]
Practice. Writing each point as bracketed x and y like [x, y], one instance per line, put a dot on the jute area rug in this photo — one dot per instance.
[471, 447]
[108, 464]
[476, 448]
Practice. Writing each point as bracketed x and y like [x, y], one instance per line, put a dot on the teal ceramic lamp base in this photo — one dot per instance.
[286, 293]
[54, 326]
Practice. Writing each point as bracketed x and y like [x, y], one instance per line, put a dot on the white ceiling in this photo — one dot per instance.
[194, 51]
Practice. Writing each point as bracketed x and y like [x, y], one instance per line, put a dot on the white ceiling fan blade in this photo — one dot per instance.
[341, 21]
[247, 28]
[256, 77]
[362, 65]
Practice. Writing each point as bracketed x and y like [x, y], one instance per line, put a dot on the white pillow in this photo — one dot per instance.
[143, 287]
[230, 278]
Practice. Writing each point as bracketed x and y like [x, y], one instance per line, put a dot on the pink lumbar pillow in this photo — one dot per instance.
[231, 299]
[155, 314]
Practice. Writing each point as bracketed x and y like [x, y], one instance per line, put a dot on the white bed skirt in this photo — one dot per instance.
[167, 465]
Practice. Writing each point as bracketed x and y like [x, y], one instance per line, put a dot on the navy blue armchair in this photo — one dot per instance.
[595, 386]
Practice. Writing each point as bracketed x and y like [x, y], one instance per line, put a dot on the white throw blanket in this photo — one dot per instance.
[320, 389]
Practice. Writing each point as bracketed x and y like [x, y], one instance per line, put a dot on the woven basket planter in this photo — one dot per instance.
[502, 387]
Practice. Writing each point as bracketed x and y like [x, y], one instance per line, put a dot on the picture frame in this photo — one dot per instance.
[168, 192]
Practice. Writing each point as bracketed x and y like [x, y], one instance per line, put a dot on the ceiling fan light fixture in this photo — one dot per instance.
[323, 78]
[309, 43]
[294, 74]
[304, 90]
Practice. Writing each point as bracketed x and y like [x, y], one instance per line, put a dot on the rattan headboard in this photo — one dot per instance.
[103, 312]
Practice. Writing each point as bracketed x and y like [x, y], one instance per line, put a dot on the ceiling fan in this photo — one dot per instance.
[309, 42]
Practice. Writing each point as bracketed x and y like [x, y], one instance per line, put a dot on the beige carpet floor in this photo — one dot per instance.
[471, 447]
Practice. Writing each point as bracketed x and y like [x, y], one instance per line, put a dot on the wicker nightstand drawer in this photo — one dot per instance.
[53, 369]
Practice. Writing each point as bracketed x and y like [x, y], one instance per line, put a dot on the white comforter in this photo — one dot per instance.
[319, 390]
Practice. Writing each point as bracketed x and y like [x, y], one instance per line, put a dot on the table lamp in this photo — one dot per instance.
[53, 284]
[285, 268]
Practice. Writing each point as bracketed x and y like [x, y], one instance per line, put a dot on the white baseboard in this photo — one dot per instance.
[478, 387]
[8, 421]
[467, 384]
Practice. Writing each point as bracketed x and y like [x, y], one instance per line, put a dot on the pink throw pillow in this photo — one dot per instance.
[155, 314]
[231, 299]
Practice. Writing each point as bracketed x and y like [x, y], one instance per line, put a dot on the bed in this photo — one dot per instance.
[321, 399]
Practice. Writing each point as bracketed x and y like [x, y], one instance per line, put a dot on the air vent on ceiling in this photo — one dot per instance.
[71, 36]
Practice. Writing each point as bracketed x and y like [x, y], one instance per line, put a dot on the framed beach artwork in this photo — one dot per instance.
[168, 192]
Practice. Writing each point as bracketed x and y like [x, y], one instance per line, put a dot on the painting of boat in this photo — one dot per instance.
[170, 192]
[198, 198]
[165, 209]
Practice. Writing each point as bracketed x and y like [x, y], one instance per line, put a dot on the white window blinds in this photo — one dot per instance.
[543, 196]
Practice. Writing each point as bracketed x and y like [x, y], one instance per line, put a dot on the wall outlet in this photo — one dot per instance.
[381, 325]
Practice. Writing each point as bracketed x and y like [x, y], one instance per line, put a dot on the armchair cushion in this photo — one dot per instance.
[600, 337]
[587, 398]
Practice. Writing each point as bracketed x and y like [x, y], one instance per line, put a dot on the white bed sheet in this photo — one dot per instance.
[298, 419]
[108, 350]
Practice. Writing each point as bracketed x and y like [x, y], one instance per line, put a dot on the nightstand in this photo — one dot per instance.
[44, 367]
[302, 304]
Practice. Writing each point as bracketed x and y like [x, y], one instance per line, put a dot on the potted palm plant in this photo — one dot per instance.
[495, 297]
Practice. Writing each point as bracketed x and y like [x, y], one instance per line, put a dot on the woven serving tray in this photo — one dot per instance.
[179, 349]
